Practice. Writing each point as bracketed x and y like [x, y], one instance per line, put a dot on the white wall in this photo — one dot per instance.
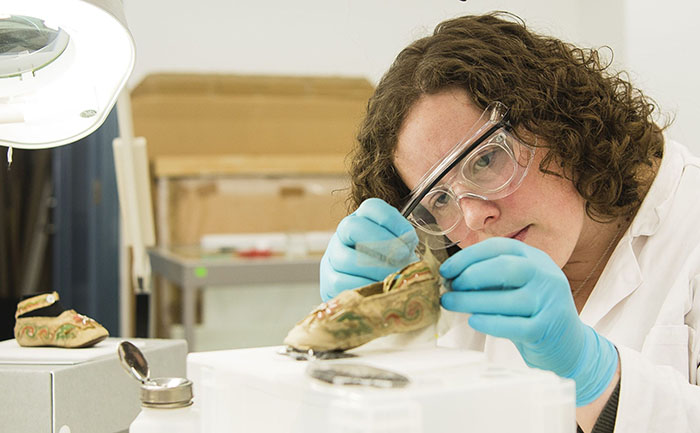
[655, 40]
[336, 37]
[662, 54]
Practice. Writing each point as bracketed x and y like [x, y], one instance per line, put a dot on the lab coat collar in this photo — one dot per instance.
[622, 275]
[658, 200]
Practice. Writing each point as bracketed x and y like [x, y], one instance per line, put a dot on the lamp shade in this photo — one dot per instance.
[62, 66]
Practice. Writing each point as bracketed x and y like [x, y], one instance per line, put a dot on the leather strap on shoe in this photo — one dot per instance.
[36, 302]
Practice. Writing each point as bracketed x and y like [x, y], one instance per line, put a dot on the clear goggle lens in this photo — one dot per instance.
[493, 170]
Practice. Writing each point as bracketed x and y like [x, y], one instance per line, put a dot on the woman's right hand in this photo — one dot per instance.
[369, 244]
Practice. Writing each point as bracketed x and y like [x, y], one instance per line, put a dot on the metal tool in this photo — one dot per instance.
[311, 355]
[356, 375]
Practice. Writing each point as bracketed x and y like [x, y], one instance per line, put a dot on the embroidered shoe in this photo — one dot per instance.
[68, 329]
[405, 301]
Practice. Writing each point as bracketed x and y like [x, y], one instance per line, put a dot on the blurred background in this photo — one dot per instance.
[249, 109]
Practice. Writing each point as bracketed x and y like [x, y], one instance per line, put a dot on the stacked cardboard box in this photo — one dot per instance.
[252, 204]
[250, 115]
[247, 154]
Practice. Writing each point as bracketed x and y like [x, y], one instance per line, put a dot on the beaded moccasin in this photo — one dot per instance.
[68, 329]
[405, 301]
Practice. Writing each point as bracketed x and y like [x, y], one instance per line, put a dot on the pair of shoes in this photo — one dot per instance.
[405, 301]
[68, 329]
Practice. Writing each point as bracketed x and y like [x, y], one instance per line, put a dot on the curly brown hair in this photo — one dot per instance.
[597, 126]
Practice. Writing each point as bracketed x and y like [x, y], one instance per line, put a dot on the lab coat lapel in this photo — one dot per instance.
[620, 278]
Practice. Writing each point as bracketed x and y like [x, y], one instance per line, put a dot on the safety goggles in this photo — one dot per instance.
[489, 164]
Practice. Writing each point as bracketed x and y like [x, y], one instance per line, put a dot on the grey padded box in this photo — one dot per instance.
[95, 396]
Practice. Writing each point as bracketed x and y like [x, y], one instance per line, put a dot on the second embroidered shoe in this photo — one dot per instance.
[67, 329]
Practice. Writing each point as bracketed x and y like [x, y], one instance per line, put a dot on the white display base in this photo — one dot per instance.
[259, 390]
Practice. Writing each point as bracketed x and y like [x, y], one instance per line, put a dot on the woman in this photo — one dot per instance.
[569, 220]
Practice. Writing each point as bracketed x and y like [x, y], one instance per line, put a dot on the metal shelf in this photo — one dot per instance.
[191, 271]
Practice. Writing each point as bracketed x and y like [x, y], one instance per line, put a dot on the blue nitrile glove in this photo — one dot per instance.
[516, 291]
[369, 244]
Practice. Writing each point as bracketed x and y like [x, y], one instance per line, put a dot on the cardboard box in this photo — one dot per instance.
[247, 154]
[205, 114]
[77, 390]
[199, 207]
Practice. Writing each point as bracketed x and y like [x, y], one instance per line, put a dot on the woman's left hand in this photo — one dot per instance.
[516, 291]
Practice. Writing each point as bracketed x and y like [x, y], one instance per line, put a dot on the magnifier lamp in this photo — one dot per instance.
[63, 65]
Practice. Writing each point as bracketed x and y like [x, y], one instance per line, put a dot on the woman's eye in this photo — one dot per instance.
[440, 200]
[484, 161]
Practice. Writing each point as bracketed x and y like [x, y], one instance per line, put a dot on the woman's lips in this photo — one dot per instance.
[520, 235]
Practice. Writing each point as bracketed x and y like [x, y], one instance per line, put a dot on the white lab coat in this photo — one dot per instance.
[647, 302]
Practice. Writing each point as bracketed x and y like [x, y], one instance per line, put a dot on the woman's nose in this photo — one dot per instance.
[478, 212]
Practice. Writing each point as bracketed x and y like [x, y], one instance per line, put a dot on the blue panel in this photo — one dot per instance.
[86, 240]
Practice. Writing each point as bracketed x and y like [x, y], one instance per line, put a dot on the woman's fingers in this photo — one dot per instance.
[509, 302]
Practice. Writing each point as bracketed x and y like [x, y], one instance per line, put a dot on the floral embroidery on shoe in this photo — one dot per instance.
[69, 329]
[404, 301]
